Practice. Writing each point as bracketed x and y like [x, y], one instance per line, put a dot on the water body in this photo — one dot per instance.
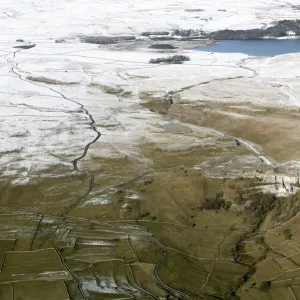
[266, 47]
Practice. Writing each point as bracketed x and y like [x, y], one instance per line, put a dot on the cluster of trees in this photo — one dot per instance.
[175, 59]
[148, 33]
[286, 208]
[282, 28]
[188, 32]
[162, 46]
[215, 203]
[104, 40]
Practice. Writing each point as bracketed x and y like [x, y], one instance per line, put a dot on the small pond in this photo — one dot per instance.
[267, 47]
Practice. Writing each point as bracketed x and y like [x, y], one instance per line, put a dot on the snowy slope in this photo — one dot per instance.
[56, 18]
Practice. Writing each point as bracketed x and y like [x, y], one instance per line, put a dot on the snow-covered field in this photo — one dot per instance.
[55, 18]
[42, 123]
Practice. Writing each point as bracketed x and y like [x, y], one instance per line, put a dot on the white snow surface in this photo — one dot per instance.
[42, 124]
[56, 18]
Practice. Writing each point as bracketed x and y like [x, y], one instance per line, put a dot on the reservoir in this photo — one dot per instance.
[267, 47]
